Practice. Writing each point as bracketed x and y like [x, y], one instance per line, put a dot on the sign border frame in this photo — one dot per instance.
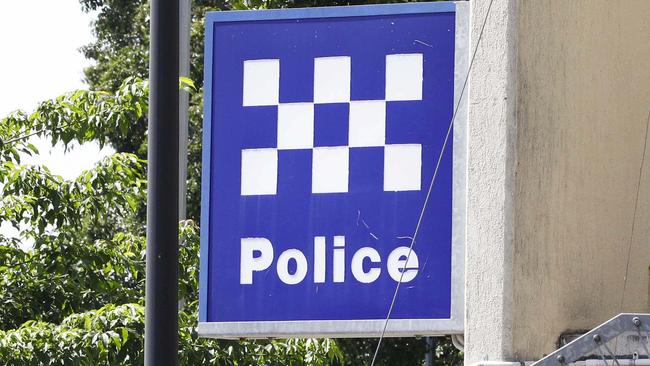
[348, 328]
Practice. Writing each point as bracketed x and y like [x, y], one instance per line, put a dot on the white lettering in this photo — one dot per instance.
[357, 265]
[249, 263]
[395, 264]
[339, 259]
[292, 266]
[319, 259]
[283, 266]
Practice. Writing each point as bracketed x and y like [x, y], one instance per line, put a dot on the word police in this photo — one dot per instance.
[292, 267]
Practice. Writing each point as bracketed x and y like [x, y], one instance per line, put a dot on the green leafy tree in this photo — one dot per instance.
[76, 296]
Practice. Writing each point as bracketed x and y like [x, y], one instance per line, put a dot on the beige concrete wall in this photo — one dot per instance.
[583, 99]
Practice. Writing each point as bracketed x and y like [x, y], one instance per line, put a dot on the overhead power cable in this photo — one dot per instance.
[435, 173]
[636, 205]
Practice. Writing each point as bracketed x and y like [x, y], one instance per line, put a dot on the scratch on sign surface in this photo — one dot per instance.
[425, 263]
[364, 224]
[405, 237]
[420, 42]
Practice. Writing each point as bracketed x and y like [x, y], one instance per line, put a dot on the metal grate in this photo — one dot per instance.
[621, 341]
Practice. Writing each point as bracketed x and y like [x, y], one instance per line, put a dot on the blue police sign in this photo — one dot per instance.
[322, 131]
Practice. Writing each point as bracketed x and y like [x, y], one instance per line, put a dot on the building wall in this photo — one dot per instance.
[583, 103]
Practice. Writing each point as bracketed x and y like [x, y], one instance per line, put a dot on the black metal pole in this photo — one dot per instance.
[161, 302]
[431, 351]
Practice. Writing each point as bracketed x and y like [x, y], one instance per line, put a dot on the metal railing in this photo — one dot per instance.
[621, 341]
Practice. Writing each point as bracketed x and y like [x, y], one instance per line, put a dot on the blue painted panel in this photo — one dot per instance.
[366, 215]
[331, 124]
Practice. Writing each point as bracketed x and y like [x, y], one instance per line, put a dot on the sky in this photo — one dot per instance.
[39, 43]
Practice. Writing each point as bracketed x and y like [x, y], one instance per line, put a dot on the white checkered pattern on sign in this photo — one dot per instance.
[295, 126]
[330, 169]
[332, 79]
[367, 125]
[259, 173]
[261, 82]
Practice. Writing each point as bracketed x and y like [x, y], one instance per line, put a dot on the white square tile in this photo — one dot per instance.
[259, 172]
[402, 167]
[330, 169]
[404, 77]
[332, 79]
[367, 123]
[261, 82]
[295, 126]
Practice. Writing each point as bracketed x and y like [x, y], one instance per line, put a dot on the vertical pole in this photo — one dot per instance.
[431, 351]
[185, 26]
[161, 302]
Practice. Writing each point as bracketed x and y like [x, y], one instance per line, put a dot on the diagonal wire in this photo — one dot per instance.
[602, 355]
[611, 354]
[435, 174]
[636, 204]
